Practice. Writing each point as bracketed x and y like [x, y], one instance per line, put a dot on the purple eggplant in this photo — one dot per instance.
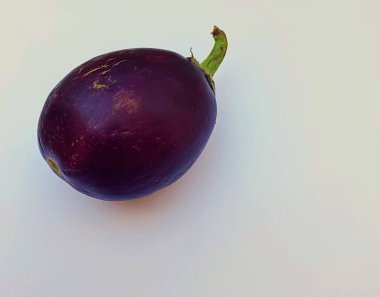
[127, 123]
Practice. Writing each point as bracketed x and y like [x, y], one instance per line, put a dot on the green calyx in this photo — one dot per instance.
[215, 57]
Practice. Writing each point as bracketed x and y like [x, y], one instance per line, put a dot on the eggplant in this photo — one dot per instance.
[128, 123]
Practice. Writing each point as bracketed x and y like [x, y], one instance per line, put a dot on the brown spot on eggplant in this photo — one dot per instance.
[105, 72]
[53, 165]
[111, 59]
[95, 69]
[118, 63]
[97, 85]
[125, 100]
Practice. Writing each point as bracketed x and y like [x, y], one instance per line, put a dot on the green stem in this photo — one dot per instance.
[216, 56]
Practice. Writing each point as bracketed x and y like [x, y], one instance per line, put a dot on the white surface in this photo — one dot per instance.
[285, 199]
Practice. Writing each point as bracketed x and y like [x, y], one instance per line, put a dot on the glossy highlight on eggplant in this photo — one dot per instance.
[127, 123]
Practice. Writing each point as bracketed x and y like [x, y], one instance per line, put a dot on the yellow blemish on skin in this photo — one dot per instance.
[111, 59]
[95, 69]
[122, 61]
[97, 85]
[125, 100]
[105, 72]
[53, 166]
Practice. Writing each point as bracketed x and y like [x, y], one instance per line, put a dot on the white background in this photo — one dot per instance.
[285, 199]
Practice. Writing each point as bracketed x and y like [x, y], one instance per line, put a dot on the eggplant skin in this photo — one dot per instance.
[125, 124]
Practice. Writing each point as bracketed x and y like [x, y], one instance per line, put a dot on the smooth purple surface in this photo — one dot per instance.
[127, 123]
